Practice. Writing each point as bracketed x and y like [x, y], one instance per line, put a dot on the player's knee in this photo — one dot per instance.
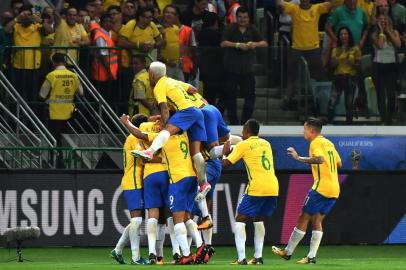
[199, 159]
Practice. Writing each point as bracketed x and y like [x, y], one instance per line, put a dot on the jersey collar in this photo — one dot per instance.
[253, 137]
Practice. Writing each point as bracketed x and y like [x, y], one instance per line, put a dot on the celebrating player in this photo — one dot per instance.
[131, 184]
[324, 161]
[169, 94]
[181, 192]
[260, 197]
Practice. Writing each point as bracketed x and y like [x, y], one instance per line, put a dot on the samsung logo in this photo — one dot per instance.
[356, 143]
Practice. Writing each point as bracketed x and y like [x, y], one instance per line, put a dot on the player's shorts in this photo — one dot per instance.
[214, 124]
[192, 121]
[316, 203]
[134, 199]
[213, 173]
[257, 206]
[156, 189]
[181, 195]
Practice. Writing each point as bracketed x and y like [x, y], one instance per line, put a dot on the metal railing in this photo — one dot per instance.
[63, 157]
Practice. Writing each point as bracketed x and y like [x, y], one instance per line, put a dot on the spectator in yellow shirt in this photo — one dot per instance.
[27, 30]
[345, 60]
[170, 52]
[69, 33]
[305, 39]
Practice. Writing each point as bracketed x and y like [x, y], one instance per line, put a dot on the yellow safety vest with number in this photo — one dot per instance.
[64, 84]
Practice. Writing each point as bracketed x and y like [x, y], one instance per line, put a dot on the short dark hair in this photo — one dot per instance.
[315, 123]
[253, 126]
[141, 11]
[242, 9]
[171, 6]
[59, 58]
[138, 119]
[13, 2]
[26, 8]
[103, 17]
[114, 7]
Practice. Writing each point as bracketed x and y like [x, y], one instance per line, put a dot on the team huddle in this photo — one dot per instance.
[173, 161]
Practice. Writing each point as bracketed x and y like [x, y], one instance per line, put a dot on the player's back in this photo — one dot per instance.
[326, 174]
[177, 157]
[133, 169]
[171, 91]
[258, 160]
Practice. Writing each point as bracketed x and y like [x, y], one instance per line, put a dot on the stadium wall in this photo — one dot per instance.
[85, 208]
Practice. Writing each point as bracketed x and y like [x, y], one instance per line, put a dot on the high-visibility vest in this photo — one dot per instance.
[64, 84]
[232, 13]
[99, 72]
[185, 35]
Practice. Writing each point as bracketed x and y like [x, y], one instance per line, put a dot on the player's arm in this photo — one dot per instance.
[308, 160]
[163, 108]
[233, 154]
[155, 159]
[125, 119]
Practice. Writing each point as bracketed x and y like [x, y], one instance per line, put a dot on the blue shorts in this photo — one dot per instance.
[214, 124]
[213, 172]
[181, 195]
[257, 206]
[317, 203]
[192, 121]
[134, 199]
[156, 189]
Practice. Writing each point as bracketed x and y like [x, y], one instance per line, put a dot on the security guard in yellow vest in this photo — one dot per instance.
[58, 91]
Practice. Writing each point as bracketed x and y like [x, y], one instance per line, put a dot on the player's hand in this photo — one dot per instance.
[227, 148]
[293, 153]
[154, 118]
[124, 119]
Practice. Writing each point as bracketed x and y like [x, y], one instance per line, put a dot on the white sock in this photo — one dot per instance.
[160, 140]
[240, 237]
[181, 237]
[315, 243]
[134, 233]
[194, 233]
[203, 207]
[174, 242]
[216, 152]
[200, 166]
[152, 228]
[160, 240]
[189, 240]
[294, 240]
[122, 242]
[259, 238]
[207, 236]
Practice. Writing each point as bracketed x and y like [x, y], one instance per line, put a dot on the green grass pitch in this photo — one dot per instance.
[329, 257]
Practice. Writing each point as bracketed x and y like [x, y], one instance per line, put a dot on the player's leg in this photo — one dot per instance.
[240, 236]
[267, 206]
[134, 234]
[181, 236]
[174, 242]
[321, 207]
[117, 252]
[159, 141]
[161, 237]
[309, 208]
[152, 232]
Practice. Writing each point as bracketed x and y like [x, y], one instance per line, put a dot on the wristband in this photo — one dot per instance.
[237, 45]
[381, 34]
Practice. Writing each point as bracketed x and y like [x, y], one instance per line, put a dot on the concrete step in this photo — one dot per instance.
[262, 103]
[266, 91]
[261, 81]
[259, 69]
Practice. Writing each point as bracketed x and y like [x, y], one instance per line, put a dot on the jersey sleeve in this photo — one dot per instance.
[289, 8]
[127, 30]
[337, 157]
[237, 153]
[315, 149]
[333, 19]
[139, 89]
[155, 30]
[323, 8]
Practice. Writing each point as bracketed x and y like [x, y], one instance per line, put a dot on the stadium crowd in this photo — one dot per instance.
[348, 40]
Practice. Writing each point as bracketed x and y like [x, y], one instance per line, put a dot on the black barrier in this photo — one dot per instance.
[85, 208]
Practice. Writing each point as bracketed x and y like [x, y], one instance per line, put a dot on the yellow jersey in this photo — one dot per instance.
[171, 52]
[141, 90]
[150, 167]
[305, 24]
[325, 175]
[346, 58]
[171, 91]
[133, 168]
[27, 36]
[258, 160]
[197, 100]
[137, 35]
[177, 157]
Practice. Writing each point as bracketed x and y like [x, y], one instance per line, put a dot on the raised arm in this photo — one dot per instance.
[133, 129]
[308, 160]
[163, 108]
